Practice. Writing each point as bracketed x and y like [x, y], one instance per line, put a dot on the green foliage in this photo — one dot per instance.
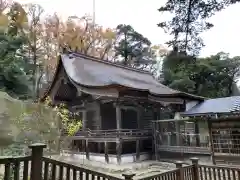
[14, 67]
[132, 45]
[189, 20]
[213, 76]
[68, 122]
[25, 123]
[13, 76]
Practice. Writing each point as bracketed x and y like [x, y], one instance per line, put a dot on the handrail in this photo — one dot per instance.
[74, 168]
[114, 132]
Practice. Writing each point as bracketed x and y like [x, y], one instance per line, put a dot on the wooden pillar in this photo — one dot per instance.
[169, 138]
[197, 133]
[195, 168]
[87, 149]
[79, 146]
[99, 124]
[84, 126]
[119, 150]
[155, 144]
[118, 117]
[177, 125]
[106, 151]
[138, 142]
[211, 141]
[36, 161]
[84, 119]
[180, 171]
[139, 117]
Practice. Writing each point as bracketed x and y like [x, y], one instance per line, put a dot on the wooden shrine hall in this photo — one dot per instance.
[116, 105]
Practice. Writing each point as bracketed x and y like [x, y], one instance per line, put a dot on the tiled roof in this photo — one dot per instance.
[215, 106]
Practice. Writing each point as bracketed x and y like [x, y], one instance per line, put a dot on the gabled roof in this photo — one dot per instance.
[215, 106]
[90, 72]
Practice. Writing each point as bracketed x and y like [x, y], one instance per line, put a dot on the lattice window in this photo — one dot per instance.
[226, 140]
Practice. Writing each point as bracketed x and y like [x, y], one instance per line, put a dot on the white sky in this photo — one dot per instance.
[143, 16]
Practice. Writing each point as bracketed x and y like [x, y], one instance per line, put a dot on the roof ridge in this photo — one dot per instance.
[108, 62]
[224, 97]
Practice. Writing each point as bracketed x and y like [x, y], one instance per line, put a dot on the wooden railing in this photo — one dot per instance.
[112, 133]
[17, 167]
[188, 140]
[189, 172]
[169, 175]
[182, 143]
[56, 170]
[218, 173]
[196, 172]
[37, 167]
[184, 149]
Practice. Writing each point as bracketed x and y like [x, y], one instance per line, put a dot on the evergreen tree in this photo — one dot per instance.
[15, 70]
[132, 47]
[189, 21]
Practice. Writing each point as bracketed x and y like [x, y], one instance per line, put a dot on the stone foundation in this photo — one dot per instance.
[125, 158]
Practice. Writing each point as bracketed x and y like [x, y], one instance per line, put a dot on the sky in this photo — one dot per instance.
[143, 16]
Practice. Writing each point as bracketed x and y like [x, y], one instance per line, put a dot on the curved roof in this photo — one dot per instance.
[94, 73]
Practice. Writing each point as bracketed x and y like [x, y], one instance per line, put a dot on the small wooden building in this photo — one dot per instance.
[210, 128]
[116, 105]
[223, 117]
[181, 139]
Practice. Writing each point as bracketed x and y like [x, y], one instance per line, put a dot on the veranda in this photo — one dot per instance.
[218, 140]
[215, 136]
[181, 138]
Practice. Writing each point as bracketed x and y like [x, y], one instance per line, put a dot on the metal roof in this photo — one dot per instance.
[215, 106]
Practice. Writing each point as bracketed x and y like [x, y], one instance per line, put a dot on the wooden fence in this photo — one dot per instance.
[37, 167]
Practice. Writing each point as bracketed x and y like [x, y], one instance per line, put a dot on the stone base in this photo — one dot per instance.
[125, 158]
[176, 156]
